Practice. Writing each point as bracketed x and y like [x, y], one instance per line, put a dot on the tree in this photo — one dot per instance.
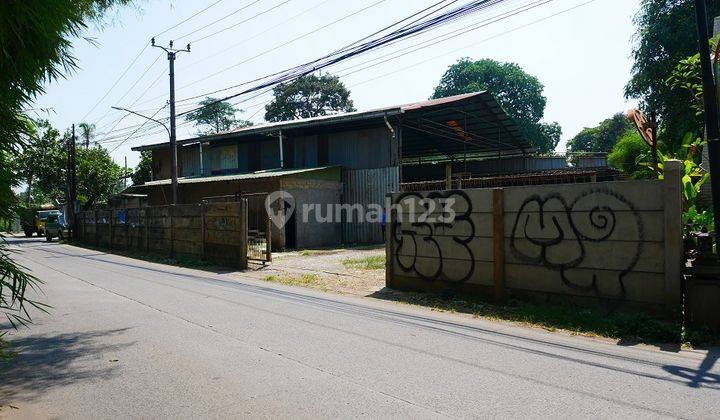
[520, 95]
[601, 138]
[42, 163]
[215, 117]
[143, 170]
[36, 50]
[98, 176]
[309, 96]
[87, 132]
[665, 35]
[631, 155]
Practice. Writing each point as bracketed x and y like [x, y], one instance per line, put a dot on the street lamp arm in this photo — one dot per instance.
[143, 116]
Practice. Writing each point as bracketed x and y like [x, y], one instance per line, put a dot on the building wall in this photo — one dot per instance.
[356, 149]
[161, 164]
[613, 241]
[367, 187]
[311, 232]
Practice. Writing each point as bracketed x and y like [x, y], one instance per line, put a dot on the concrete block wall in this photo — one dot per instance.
[614, 241]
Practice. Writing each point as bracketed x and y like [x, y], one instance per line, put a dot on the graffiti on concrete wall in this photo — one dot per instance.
[409, 237]
[552, 230]
[561, 240]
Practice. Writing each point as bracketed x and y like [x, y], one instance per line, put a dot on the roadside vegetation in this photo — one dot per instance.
[373, 262]
[36, 39]
[312, 281]
[627, 327]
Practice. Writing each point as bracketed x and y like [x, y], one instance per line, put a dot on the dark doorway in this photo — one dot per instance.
[290, 231]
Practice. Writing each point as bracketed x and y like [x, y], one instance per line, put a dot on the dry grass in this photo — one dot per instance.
[312, 281]
[374, 262]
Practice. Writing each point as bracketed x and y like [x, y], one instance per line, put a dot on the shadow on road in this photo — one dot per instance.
[700, 377]
[48, 361]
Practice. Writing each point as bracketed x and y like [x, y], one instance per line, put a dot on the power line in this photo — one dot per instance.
[419, 25]
[128, 90]
[444, 54]
[116, 82]
[153, 116]
[236, 11]
[226, 49]
[330, 59]
[476, 43]
[443, 38]
[267, 52]
[187, 19]
[242, 21]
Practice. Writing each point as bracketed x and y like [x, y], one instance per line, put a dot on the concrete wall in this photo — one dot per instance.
[609, 241]
[215, 232]
[312, 234]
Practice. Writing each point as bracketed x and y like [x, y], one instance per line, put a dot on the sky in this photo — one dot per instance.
[579, 49]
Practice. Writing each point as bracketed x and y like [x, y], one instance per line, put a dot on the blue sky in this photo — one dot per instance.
[582, 56]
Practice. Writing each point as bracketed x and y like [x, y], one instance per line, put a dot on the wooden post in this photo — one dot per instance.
[171, 210]
[112, 227]
[97, 229]
[268, 238]
[243, 233]
[498, 244]
[127, 229]
[202, 229]
[147, 229]
[674, 258]
[391, 215]
[448, 176]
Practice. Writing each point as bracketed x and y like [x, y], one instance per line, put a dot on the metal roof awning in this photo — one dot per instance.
[470, 124]
[271, 173]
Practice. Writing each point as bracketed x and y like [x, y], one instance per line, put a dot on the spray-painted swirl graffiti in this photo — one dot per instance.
[461, 229]
[548, 231]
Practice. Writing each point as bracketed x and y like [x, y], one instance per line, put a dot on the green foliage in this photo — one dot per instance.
[520, 95]
[87, 132]
[309, 96]
[601, 138]
[42, 163]
[665, 36]
[635, 327]
[215, 117]
[98, 176]
[373, 262]
[143, 170]
[36, 49]
[630, 154]
[695, 220]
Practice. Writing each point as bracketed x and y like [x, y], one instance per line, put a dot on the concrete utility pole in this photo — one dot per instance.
[171, 54]
[125, 174]
[711, 108]
[72, 183]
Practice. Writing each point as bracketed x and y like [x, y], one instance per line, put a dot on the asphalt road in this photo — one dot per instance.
[127, 338]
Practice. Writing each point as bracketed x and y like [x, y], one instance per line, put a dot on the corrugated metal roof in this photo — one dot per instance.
[272, 173]
[489, 106]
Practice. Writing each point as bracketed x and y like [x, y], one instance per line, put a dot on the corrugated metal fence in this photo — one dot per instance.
[365, 187]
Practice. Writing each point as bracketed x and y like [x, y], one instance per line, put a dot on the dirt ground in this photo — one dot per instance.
[324, 269]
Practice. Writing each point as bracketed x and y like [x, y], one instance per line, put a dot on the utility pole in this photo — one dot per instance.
[125, 175]
[171, 54]
[72, 183]
[711, 109]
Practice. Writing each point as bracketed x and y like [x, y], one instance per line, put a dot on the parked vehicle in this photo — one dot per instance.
[56, 226]
[33, 220]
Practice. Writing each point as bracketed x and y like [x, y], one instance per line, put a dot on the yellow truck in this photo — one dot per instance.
[33, 220]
